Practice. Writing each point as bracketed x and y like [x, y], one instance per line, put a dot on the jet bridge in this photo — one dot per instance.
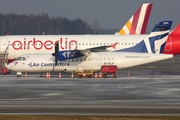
[4, 50]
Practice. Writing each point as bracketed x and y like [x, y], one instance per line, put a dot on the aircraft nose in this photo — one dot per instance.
[11, 65]
[8, 66]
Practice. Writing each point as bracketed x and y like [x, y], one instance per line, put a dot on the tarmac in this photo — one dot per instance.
[150, 93]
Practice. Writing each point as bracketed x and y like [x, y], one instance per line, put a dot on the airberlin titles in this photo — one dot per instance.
[38, 44]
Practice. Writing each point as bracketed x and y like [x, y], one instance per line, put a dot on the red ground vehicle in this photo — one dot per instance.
[109, 69]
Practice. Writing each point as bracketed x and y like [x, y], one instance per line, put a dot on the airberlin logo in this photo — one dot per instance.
[47, 44]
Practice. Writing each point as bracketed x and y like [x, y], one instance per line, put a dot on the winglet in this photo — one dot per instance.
[138, 22]
[114, 45]
[7, 34]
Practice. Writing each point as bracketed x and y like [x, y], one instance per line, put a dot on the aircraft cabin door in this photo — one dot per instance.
[120, 61]
[3, 45]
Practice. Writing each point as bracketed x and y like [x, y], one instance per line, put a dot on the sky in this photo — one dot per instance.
[110, 14]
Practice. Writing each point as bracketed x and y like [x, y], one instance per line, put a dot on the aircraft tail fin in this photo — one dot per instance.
[172, 43]
[176, 30]
[138, 22]
[155, 42]
[158, 37]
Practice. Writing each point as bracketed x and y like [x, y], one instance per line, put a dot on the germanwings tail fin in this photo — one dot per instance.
[138, 22]
[155, 42]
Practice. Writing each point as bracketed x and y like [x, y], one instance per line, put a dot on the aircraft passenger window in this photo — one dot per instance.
[104, 43]
[100, 43]
[129, 43]
[97, 43]
[132, 43]
[93, 43]
[121, 43]
[79, 44]
[83, 44]
[76, 60]
[118, 43]
[90, 44]
[100, 58]
[104, 58]
[108, 58]
[72, 60]
[112, 58]
[87, 44]
[125, 43]
[80, 60]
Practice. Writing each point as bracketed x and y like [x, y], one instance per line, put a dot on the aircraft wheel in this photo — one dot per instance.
[18, 75]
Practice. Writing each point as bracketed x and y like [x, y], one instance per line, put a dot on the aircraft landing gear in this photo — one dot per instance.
[19, 74]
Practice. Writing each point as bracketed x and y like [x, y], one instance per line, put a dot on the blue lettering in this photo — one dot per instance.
[35, 64]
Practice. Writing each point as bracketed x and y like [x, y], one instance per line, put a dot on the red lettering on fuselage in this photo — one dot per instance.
[48, 44]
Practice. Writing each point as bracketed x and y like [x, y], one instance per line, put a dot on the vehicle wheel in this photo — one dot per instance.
[114, 76]
[79, 76]
[104, 76]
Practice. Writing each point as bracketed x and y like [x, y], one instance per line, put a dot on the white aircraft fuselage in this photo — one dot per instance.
[25, 44]
[46, 62]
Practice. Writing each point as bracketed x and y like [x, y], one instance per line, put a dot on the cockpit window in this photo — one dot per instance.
[24, 59]
[20, 59]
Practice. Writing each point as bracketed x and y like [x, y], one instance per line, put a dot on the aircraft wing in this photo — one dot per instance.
[70, 54]
[97, 49]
